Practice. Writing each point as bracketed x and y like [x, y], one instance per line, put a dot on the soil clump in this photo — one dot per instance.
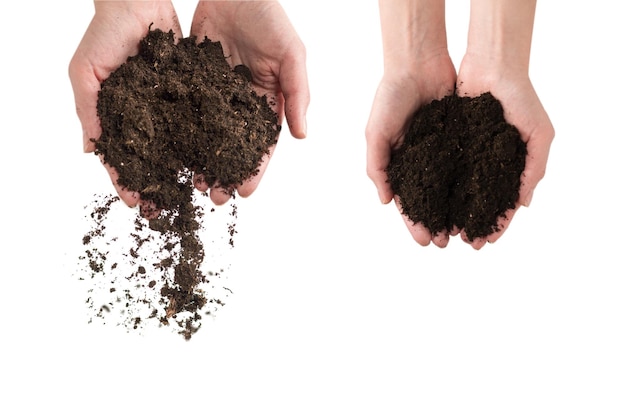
[459, 165]
[174, 115]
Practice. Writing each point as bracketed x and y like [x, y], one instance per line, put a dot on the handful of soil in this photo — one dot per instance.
[179, 109]
[171, 115]
[459, 165]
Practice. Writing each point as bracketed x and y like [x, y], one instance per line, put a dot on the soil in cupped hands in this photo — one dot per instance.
[460, 164]
[173, 115]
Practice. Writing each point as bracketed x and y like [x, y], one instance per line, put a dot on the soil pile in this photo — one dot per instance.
[459, 165]
[171, 116]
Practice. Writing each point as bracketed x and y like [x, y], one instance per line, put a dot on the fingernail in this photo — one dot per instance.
[304, 128]
[528, 199]
[383, 199]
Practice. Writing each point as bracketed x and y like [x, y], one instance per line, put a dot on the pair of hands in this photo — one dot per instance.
[401, 93]
[260, 36]
[256, 34]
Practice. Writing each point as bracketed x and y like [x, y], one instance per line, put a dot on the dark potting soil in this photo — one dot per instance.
[175, 114]
[459, 165]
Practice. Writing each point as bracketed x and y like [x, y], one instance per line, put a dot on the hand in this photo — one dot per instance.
[398, 97]
[258, 34]
[523, 109]
[112, 36]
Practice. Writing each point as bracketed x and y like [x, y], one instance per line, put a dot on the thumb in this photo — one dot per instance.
[378, 157]
[295, 88]
[538, 147]
[86, 86]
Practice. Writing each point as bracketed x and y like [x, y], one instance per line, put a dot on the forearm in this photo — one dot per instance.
[412, 31]
[500, 33]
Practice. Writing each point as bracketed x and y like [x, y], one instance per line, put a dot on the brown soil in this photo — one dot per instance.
[126, 265]
[171, 116]
[459, 165]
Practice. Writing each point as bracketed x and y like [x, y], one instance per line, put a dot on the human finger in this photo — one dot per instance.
[418, 231]
[130, 197]
[220, 196]
[85, 86]
[538, 148]
[294, 85]
[378, 155]
[251, 184]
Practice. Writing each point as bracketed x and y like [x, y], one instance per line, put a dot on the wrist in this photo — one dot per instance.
[500, 34]
[414, 32]
[134, 8]
[416, 64]
[488, 66]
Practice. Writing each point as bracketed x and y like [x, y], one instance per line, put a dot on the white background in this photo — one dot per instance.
[336, 312]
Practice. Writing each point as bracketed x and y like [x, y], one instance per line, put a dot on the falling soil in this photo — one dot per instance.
[126, 265]
[174, 115]
[459, 165]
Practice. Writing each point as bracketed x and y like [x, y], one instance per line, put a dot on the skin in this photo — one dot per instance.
[496, 60]
[257, 34]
